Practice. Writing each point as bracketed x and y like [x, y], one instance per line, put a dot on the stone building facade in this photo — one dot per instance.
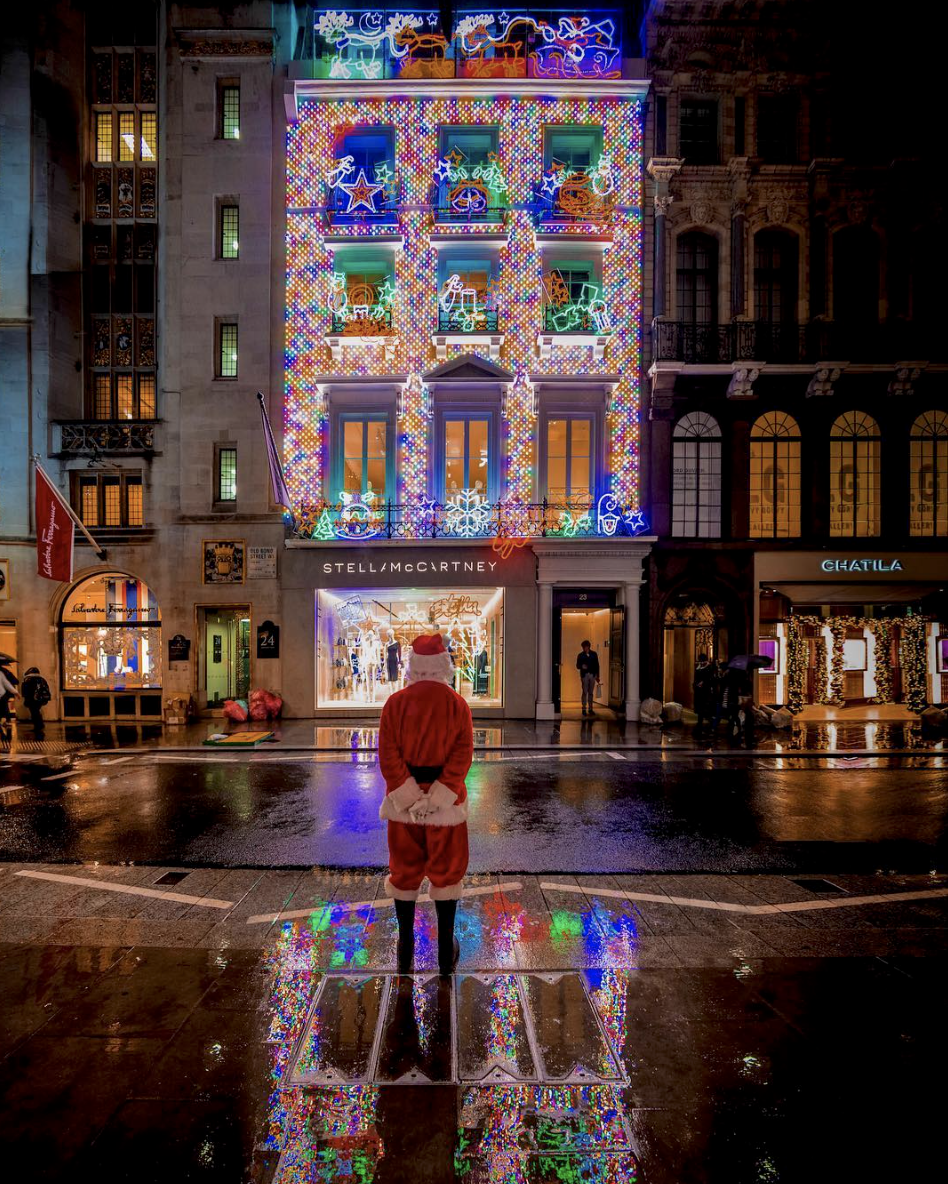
[797, 420]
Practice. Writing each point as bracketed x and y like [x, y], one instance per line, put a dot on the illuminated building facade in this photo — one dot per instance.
[464, 245]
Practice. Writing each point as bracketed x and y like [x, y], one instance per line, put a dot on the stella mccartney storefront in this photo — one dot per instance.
[850, 628]
[352, 612]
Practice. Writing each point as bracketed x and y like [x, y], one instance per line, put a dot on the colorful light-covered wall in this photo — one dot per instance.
[520, 122]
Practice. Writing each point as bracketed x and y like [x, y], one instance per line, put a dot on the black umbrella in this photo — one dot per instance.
[750, 662]
[5, 659]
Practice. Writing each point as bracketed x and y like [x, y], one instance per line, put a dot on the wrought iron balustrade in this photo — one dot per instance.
[361, 321]
[570, 319]
[446, 214]
[464, 516]
[784, 342]
[88, 437]
[483, 320]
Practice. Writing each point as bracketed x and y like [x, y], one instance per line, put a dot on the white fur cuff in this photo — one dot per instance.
[406, 795]
[440, 796]
[394, 893]
[448, 892]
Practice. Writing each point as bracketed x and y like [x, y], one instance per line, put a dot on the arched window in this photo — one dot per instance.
[928, 495]
[697, 275]
[854, 476]
[775, 276]
[856, 276]
[775, 477]
[696, 477]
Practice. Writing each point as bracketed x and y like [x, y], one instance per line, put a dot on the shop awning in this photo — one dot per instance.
[854, 593]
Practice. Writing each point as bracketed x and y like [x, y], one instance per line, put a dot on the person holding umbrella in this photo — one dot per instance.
[737, 694]
[8, 685]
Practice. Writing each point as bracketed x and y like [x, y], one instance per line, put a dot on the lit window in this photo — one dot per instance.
[103, 136]
[775, 477]
[126, 135]
[123, 396]
[227, 475]
[854, 476]
[466, 455]
[230, 112]
[89, 501]
[147, 403]
[103, 396]
[227, 362]
[135, 508]
[364, 456]
[112, 501]
[230, 232]
[149, 144]
[928, 496]
[569, 461]
[696, 477]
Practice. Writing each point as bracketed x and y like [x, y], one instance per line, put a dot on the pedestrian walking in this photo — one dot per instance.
[35, 697]
[588, 666]
[735, 691]
[426, 745]
[704, 693]
[8, 685]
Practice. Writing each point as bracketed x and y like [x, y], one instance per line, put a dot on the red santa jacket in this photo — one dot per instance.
[427, 724]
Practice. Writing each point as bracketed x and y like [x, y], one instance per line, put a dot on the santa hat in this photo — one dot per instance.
[429, 660]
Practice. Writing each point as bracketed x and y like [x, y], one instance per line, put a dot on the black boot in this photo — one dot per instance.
[405, 912]
[448, 948]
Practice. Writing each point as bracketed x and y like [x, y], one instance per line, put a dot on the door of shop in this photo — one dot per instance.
[224, 654]
[579, 616]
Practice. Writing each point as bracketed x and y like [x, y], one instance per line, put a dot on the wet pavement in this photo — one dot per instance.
[848, 737]
[607, 810]
[247, 1025]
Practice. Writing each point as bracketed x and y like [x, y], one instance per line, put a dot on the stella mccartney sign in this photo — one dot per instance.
[860, 565]
[398, 566]
[446, 567]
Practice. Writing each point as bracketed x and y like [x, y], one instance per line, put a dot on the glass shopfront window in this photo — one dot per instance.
[364, 639]
[111, 635]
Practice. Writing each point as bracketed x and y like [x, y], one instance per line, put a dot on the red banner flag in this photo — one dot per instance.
[55, 531]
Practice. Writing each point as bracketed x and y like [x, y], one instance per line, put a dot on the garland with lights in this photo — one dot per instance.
[881, 628]
[837, 627]
[914, 663]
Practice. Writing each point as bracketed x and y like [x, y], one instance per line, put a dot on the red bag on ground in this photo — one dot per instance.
[235, 710]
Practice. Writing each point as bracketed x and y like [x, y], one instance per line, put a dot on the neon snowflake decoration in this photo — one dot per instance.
[467, 514]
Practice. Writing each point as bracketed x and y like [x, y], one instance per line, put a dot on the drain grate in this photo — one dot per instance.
[821, 887]
[172, 877]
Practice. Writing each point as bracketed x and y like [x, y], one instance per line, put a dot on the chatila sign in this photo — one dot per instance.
[860, 565]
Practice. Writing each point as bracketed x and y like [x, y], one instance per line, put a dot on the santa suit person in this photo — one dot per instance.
[426, 744]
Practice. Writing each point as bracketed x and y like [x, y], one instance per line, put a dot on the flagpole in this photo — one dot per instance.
[100, 551]
[279, 493]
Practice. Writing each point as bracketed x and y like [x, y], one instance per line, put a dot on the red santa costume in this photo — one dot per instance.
[426, 744]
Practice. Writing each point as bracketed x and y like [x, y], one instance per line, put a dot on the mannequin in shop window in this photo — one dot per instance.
[371, 656]
[393, 656]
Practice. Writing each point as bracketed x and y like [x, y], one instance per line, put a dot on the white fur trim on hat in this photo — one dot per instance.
[430, 667]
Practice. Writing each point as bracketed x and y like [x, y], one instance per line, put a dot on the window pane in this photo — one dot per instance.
[454, 455]
[580, 438]
[147, 406]
[103, 396]
[352, 474]
[112, 501]
[227, 475]
[556, 479]
[133, 491]
[149, 144]
[103, 136]
[477, 458]
[699, 131]
[376, 439]
[375, 476]
[352, 436]
[230, 227]
[556, 437]
[89, 503]
[228, 358]
[123, 396]
[230, 112]
[126, 135]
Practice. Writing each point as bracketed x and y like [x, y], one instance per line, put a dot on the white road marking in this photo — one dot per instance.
[198, 760]
[207, 901]
[752, 910]
[61, 776]
[11, 788]
[381, 903]
[119, 760]
[616, 756]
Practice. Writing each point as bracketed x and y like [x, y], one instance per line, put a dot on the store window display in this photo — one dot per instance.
[111, 635]
[362, 636]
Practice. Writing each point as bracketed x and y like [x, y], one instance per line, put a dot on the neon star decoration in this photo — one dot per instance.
[361, 193]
